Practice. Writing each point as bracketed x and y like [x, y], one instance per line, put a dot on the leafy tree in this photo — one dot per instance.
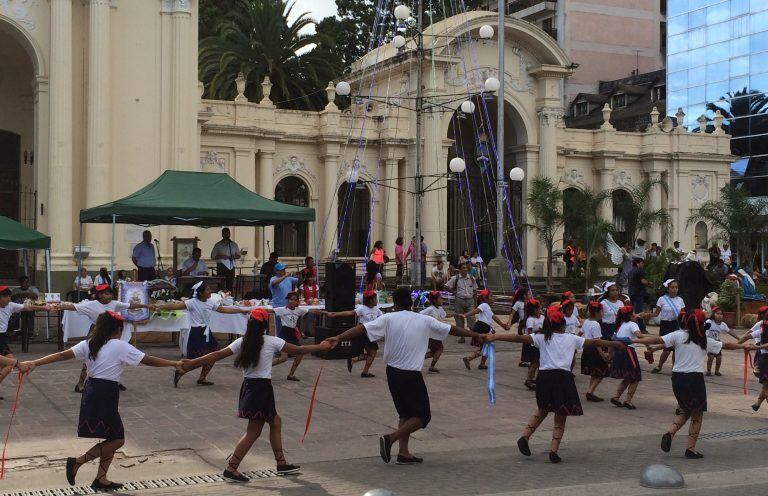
[588, 228]
[735, 217]
[256, 38]
[545, 204]
[637, 214]
[210, 13]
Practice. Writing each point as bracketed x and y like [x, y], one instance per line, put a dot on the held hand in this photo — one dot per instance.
[179, 366]
[750, 347]
[325, 346]
[183, 365]
[333, 342]
[26, 367]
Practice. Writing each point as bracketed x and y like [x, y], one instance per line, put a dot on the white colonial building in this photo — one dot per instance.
[98, 97]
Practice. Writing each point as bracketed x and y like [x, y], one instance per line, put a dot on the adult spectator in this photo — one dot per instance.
[308, 271]
[725, 254]
[18, 295]
[81, 286]
[520, 272]
[477, 262]
[464, 258]
[379, 256]
[225, 252]
[422, 261]
[194, 266]
[463, 287]
[569, 257]
[625, 269]
[714, 255]
[280, 285]
[399, 260]
[102, 278]
[639, 250]
[653, 251]
[637, 285]
[143, 257]
[438, 276]
[676, 248]
[268, 267]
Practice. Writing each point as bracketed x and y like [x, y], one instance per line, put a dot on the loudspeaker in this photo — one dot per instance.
[345, 349]
[340, 292]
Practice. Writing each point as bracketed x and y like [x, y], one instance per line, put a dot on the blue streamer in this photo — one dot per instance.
[489, 352]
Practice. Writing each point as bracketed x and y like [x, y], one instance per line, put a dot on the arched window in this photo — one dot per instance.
[620, 198]
[354, 219]
[701, 236]
[291, 240]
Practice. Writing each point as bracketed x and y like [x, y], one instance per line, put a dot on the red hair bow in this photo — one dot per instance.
[260, 314]
[115, 315]
[102, 287]
[554, 315]
[594, 305]
[368, 293]
[625, 309]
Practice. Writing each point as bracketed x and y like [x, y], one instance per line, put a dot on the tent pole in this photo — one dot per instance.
[317, 260]
[79, 258]
[26, 262]
[112, 259]
[48, 269]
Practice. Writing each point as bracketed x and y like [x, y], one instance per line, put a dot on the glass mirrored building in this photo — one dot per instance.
[717, 58]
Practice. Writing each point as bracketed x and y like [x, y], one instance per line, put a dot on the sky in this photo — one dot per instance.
[318, 9]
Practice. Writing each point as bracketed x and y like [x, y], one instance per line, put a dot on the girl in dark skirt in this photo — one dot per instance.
[367, 312]
[760, 334]
[611, 305]
[530, 354]
[201, 339]
[624, 363]
[594, 360]
[483, 325]
[668, 308]
[555, 388]
[714, 327]
[105, 355]
[691, 347]
[436, 311]
[517, 315]
[254, 352]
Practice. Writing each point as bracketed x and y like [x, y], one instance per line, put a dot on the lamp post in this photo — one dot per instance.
[500, 138]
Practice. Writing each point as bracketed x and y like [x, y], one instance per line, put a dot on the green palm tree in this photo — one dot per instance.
[735, 217]
[637, 215]
[545, 202]
[588, 228]
[256, 38]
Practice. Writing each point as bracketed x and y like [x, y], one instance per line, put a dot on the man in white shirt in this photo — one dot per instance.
[438, 276]
[194, 266]
[225, 252]
[143, 257]
[406, 336]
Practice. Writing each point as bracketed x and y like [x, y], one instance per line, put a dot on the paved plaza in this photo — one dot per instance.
[469, 448]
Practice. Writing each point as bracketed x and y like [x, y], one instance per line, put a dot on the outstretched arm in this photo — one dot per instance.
[292, 349]
[54, 357]
[348, 313]
[233, 310]
[504, 325]
[602, 343]
[358, 330]
[171, 306]
[154, 361]
[647, 340]
[210, 358]
[512, 338]
[741, 346]
[746, 337]
[460, 331]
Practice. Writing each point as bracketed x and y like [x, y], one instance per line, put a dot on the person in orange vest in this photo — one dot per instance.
[569, 257]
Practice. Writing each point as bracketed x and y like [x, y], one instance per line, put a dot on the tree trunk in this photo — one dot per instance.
[549, 269]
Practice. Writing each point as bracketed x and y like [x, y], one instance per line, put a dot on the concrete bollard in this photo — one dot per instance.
[379, 492]
[660, 476]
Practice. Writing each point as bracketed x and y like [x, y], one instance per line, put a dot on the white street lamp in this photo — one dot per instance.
[343, 88]
[457, 165]
[486, 32]
[492, 85]
[468, 107]
[517, 174]
[402, 12]
[398, 41]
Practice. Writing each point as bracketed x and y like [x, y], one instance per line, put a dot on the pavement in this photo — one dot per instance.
[469, 447]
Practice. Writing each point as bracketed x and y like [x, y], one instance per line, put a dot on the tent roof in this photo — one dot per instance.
[16, 236]
[196, 199]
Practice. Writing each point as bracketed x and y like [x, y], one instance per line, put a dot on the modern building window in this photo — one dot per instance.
[618, 101]
[658, 93]
[292, 240]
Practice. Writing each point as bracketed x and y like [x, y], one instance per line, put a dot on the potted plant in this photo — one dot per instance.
[726, 300]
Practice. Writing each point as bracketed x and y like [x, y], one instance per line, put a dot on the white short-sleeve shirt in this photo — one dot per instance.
[628, 330]
[289, 317]
[93, 308]
[200, 311]
[557, 352]
[689, 357]
[591, 329]
[670, 307]
[110, 360]
[366, 314]
[572, 324]
[6, 312]
[610, 310]
[406, 336]
[519, 307]
[263, 369]
[757, 333]
[533, 324]
[486, 314]
[714, 329]
[435, 312]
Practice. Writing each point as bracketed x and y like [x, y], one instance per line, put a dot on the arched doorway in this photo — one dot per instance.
[17, 143]
[354, 219]
[620, 198]
[292, 240]
[570, 199]
[472, 196]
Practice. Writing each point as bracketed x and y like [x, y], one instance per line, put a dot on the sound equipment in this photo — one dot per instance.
[345, 349]
[340, 292]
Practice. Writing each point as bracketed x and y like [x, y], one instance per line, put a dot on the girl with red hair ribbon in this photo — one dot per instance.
[517, 315]
[367, 312]
[624, 363]
[290, 315]
[436, 311]
[555, 387]
[594, 360]
[691, 347]
[533, 322]
[714, 326]
[254, 352]
[483, 325]
[759, 333]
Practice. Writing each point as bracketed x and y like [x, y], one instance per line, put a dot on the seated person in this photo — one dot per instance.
[438, 276]
[194, 266]
[81, 286]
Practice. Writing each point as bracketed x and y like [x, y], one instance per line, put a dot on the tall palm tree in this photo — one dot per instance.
[257, 39]
[637, 213]
[545, 202]
[735, 217]
[588, 228]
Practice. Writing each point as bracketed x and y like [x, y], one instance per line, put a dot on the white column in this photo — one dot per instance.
[328, 218]
[60, 150]
[606, 184]
[389, 197]
[432, 204]
[99, 119]
[183, 114]
[267, 190]
[655, 203]
[245, 174]
[548, 119]
[684, 208]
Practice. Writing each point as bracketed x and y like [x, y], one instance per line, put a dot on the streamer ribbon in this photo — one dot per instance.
[311, 406]
[10, 423]
[489, 352]
[747, 360]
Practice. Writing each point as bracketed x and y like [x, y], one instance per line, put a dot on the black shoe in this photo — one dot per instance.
[367, 375]
[349, 365]
[292, 378]
[176, 378]
[523, 364]
[121, 387]
[385, 448]
[482, 367]
[595, 399]
[522, 445]
[287, 469]
[755, 407]
[404, 460]
[112, 486]
[235, 477]
[616, 402]
[666, 442]
[554, 457]
[78, 388]
[693, 455]
[70, 471]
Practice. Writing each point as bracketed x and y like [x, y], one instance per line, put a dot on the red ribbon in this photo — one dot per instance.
[311, 406]
[747, 359]
[10, 423]
[632, 358]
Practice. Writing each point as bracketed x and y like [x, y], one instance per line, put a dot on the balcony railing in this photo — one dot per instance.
[518, 5]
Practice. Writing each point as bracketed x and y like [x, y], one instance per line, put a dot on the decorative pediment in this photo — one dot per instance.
[18, 10]
[292, 165]
[574, 178]
[213, 161]
[700, 188]
[622, 179]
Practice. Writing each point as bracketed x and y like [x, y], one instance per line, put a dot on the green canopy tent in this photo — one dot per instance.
[201, 199]
[16, 236]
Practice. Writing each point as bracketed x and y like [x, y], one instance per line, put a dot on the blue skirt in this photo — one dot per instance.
[257, 400]
[625, 365]
[99, 417]
[690, 391]
[198, 345]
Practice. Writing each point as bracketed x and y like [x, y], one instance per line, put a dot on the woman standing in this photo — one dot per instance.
[624, 364]
[201, 340]
[691, 347]
[105, 355]
[555, 387]
[668, 308]
[399, 260]
[379, 256]
[254, 352]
